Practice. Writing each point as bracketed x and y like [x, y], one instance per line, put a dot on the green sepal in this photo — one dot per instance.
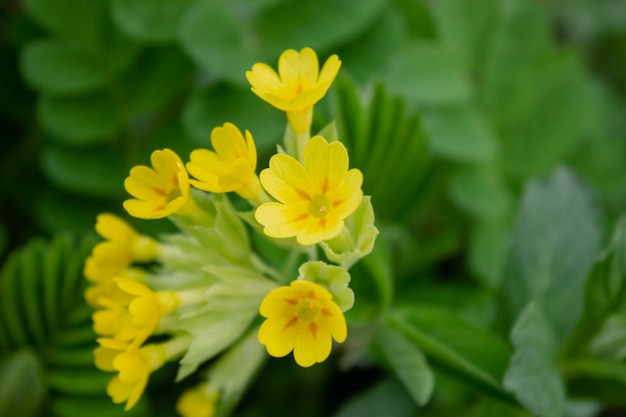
[334, 278]
[356, 240]
[329, 132]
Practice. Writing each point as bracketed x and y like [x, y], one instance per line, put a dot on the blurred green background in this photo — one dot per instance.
[449, 107]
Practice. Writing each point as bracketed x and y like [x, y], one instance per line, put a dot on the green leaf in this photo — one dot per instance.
[561, 108]
[149, 20]
[533, 375]
[94, 172]
[460, 133]
[60, 68]
[29, 267]
[57, 67]
[81, 381]
[207, 109]
[93, 406]
[605, 291]
[481, 191]
[22, 389]
[214, 35]
[542, 102]
[160, 76]
[319, 24]
[59, 211]
[488, 250]
[79, 20]
[407, 362]
[386, 398]
[520, 46]
[428, 73]
[394, 170]
[452, 342]
[465, 27]
[80, 120]
[371, 52]
[234, 371]
[14, 333]
[378, 263]
[554, 243]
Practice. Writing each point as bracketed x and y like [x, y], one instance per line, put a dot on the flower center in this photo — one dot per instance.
[308, 310]
[173, 195]
[319, 206]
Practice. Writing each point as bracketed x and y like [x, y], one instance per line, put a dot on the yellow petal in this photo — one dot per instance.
[238, 176]
[228, 142]
[290, 172]
[329, 70]
[309, 347]
[281, 190]
[135, 393]
[278, 335]
[280, 221]
[263, 78]
[112, 227]
[335, 321]
[319, 230]
[327, 164]
[166, 163]
[144, 183]
[252, 155]
[133, 287]
[104, 358]
[276, 304]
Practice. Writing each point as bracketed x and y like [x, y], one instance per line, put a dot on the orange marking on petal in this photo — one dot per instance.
[323, 222]
[175, 180]
[291, 322]
[326, 312]
[291, 301]
[311, 294]
[300, 217]
[325, 186]
[313, 329]
[337, 203]
[303, 194]
[160, 191]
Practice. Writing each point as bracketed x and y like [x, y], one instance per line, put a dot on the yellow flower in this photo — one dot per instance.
[107, 352]
[314, 199]
[135, 367]
[107, 288]
[301, 317]
[231, 167]
[197, 402]
[298, 85]
[114, 229]
[159, 191]
[115, 321]
[107, 260]
[132, 311]
[146, 306]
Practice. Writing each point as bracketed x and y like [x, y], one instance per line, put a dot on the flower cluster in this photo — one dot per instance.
[201, 290]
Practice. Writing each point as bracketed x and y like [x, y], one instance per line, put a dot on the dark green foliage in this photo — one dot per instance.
[46, 336]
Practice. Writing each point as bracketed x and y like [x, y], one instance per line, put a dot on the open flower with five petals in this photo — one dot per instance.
[302, 318]
[230, 167]
[297, 86]
[159, 191]
[314, 199]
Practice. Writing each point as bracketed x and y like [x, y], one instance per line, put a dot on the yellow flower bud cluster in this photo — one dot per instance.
[201, 289]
